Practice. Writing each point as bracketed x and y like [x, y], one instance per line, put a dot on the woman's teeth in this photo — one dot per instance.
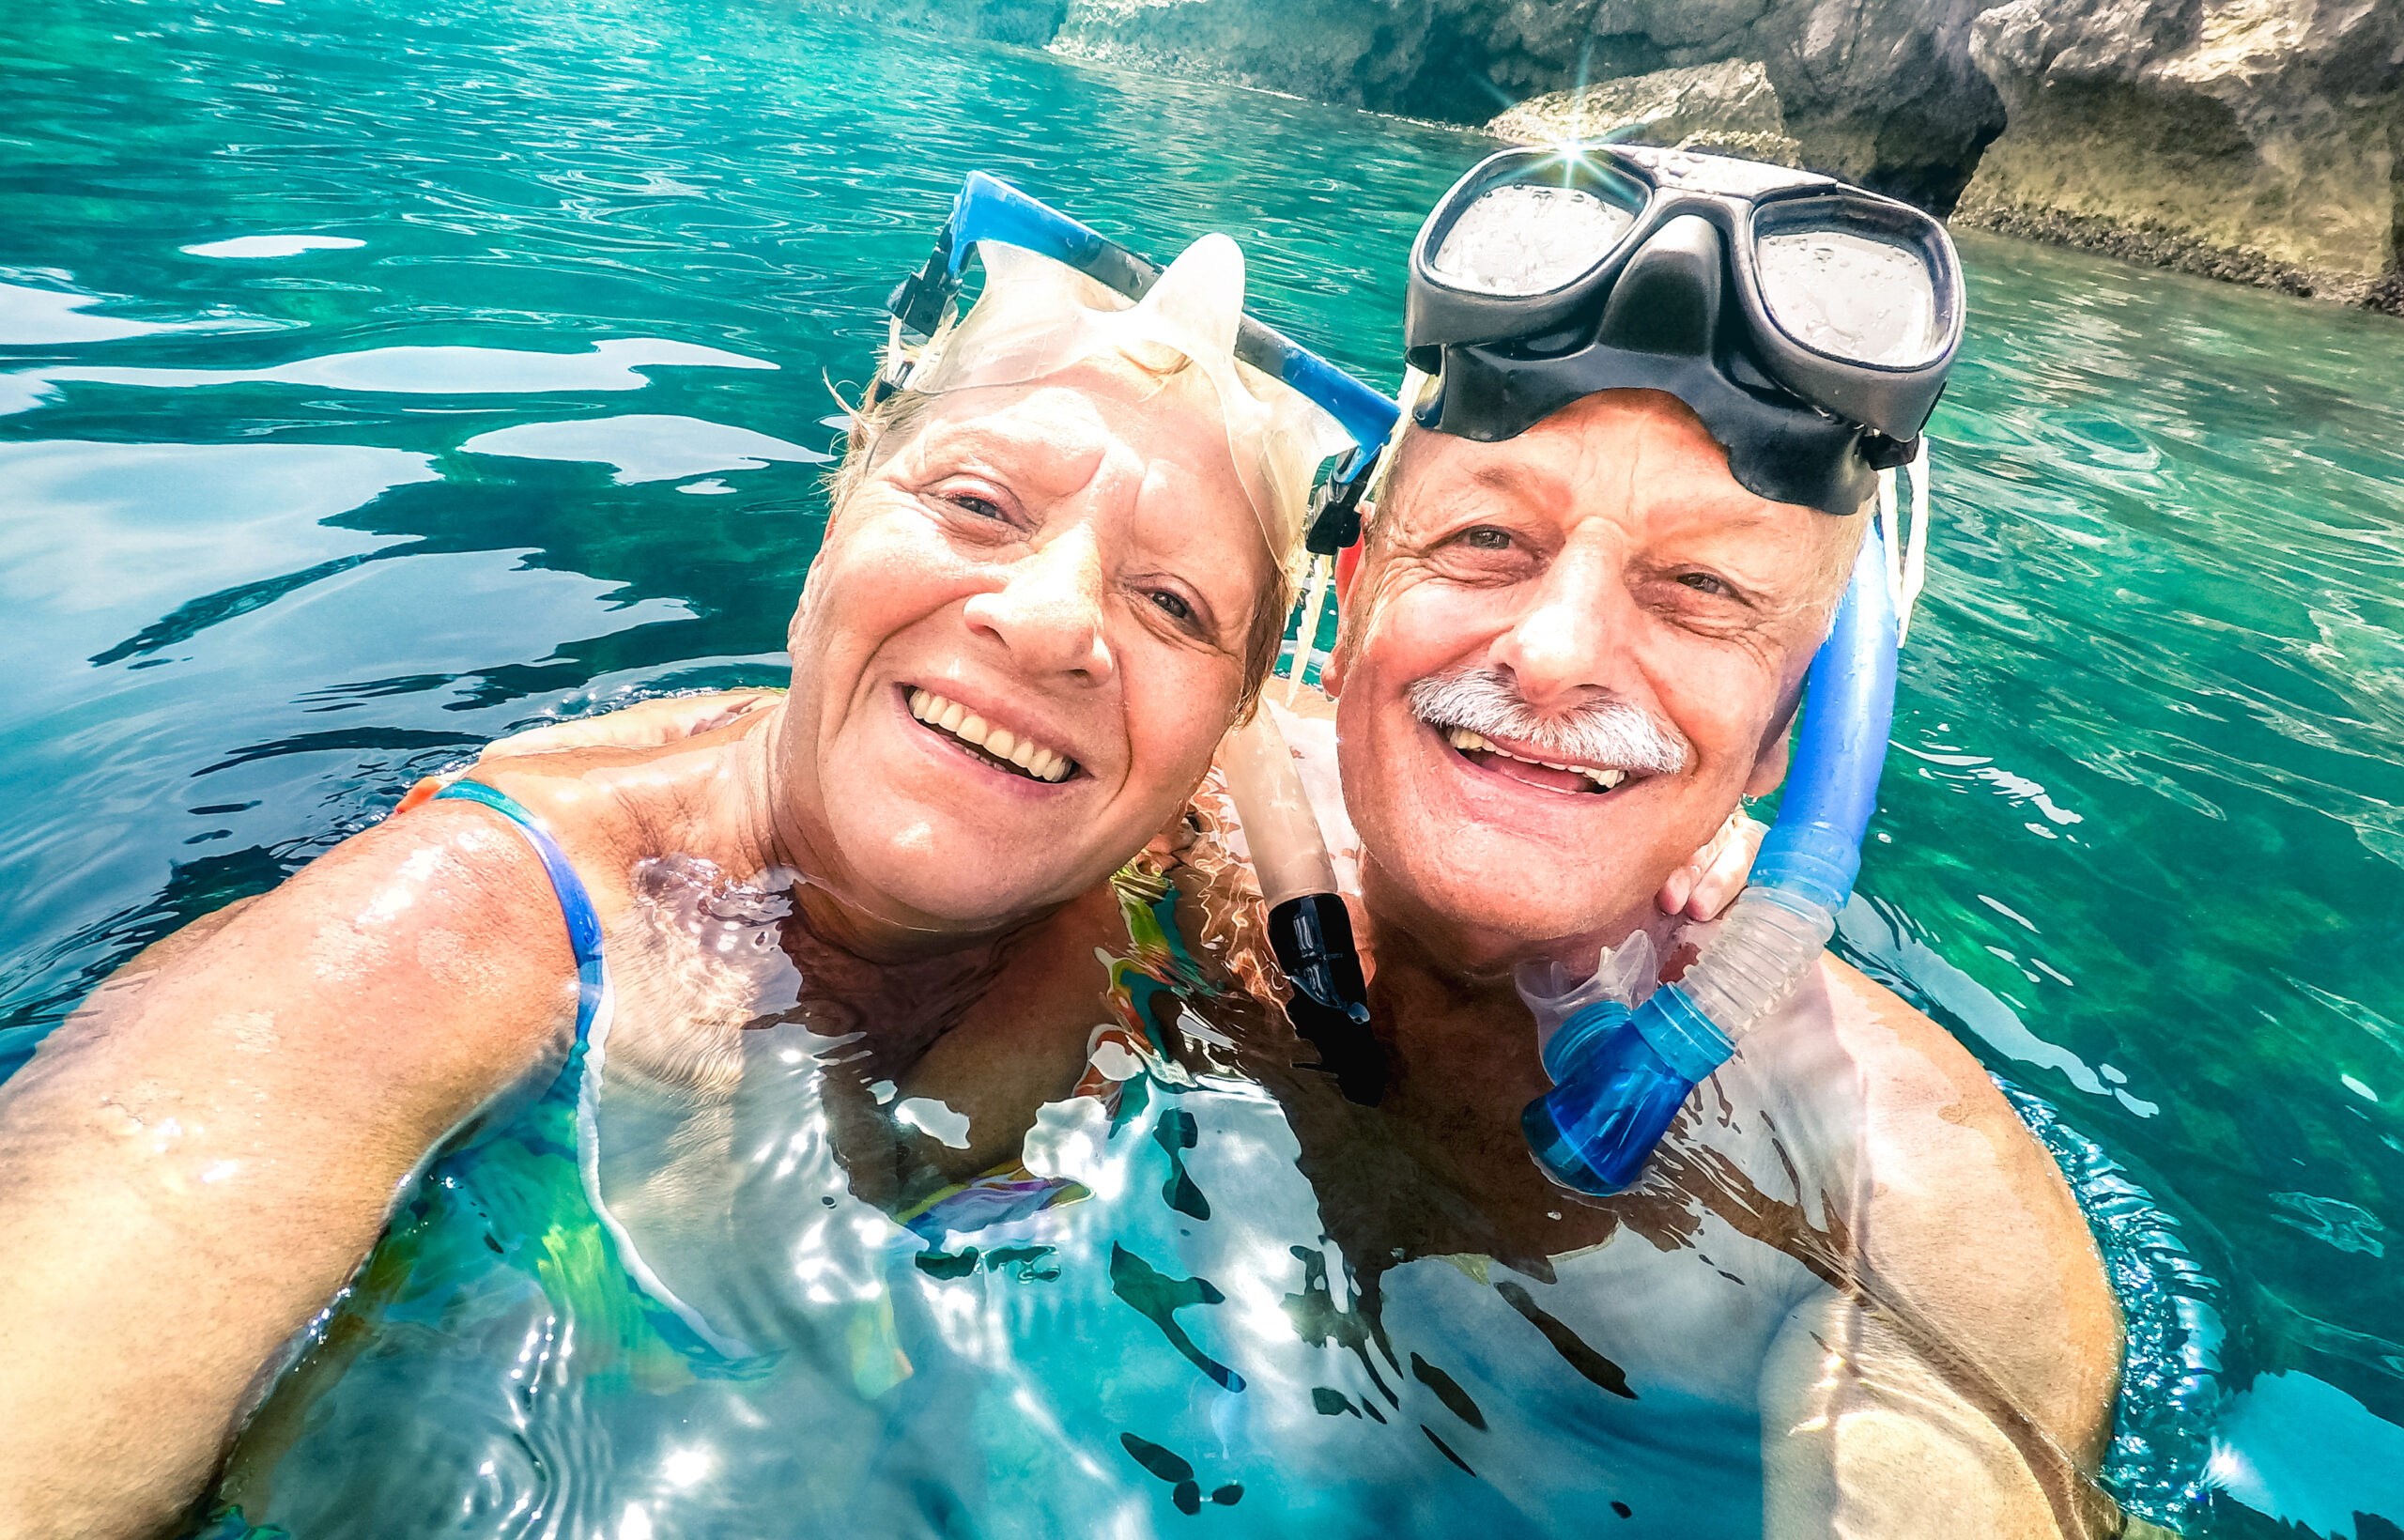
[1472, 743]
[1044, 764]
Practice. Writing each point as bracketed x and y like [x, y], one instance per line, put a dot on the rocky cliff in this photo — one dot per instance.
[1728, 107]
[1885, 93]
[2260, 139]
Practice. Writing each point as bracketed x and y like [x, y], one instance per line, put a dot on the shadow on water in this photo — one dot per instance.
[2140, 835]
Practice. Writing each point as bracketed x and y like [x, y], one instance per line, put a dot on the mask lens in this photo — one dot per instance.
[1850, 296]
[1523, 239]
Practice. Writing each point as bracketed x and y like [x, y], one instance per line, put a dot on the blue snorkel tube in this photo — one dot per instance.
[1620, 1076]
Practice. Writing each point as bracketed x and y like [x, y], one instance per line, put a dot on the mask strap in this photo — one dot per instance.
[1906, 564]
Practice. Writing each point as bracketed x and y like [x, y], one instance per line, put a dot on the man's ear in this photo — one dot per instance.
[1770, 768]
[1347, 560]
[1348, 571]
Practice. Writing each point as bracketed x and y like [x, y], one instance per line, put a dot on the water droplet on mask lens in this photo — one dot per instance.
[1528, 240]
[1850, 297]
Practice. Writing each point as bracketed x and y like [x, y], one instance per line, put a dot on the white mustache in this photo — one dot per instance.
[1607, 734]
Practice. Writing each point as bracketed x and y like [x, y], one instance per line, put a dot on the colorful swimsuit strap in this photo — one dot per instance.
[594, 1001]
[576, 905]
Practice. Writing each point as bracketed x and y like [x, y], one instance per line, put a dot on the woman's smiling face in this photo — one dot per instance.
[1019, 646]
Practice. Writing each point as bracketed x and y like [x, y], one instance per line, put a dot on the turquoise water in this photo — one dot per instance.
[2141, 835]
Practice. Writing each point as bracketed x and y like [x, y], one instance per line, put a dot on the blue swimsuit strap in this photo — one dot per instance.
[576, 903]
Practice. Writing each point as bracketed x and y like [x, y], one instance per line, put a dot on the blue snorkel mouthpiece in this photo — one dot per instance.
[1621, 1074]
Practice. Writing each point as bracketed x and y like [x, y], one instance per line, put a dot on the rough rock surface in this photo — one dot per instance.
[1358, 53]
[2261, 140]
[1881, 91]
[1730, 108]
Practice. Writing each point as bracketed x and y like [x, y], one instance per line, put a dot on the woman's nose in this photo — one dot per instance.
[1050, 609]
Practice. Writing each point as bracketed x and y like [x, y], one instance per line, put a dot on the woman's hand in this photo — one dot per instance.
[1706, 886]
[646, 724]
[642, 725]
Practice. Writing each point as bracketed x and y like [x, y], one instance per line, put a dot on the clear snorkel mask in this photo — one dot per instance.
[1810, 326]
[1056, 294]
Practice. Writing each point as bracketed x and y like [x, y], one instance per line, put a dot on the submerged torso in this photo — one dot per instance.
[1147, 1318]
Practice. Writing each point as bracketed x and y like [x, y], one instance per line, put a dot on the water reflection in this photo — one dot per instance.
[645, 448]
[48, 317]
[150, 527]
[263, 248]
[611, 365]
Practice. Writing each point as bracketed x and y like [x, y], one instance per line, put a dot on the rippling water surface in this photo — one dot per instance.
[375, 379]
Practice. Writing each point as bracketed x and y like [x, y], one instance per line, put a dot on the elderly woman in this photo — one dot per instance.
[1055, 574]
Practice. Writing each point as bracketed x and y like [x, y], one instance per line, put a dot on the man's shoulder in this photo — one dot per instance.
[1912, 1064]
[1970, 1217]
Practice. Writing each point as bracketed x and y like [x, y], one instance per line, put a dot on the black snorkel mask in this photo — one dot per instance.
[1809, 324]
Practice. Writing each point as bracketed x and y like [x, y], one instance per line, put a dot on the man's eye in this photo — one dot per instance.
[1485, 538]
[971, 503]
[1703, 582]
[1172, 606]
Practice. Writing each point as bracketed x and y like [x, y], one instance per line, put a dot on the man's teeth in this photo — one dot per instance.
[1462, 738]
[953, 718]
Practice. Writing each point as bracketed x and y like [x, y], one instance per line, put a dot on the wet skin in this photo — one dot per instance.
[1962, 1357]
[956, 569]
[1968, 1337]
[1605, 554]
[1076, 557]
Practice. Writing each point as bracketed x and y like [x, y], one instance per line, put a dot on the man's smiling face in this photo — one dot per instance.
[1566, 657]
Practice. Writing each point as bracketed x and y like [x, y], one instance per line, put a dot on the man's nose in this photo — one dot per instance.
[1574, 635]
[1050, 611]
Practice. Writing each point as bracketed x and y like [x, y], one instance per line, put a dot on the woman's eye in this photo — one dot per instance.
[1172, 606]
[1485, 538]
[1703, 582]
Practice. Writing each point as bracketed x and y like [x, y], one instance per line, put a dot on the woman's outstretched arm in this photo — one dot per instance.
[194, 1163]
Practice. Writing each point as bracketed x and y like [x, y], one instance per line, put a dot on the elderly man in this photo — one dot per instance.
[1954, 1348]
[1566, 653]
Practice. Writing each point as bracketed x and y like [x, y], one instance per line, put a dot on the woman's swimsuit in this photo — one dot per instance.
[588, 1056]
